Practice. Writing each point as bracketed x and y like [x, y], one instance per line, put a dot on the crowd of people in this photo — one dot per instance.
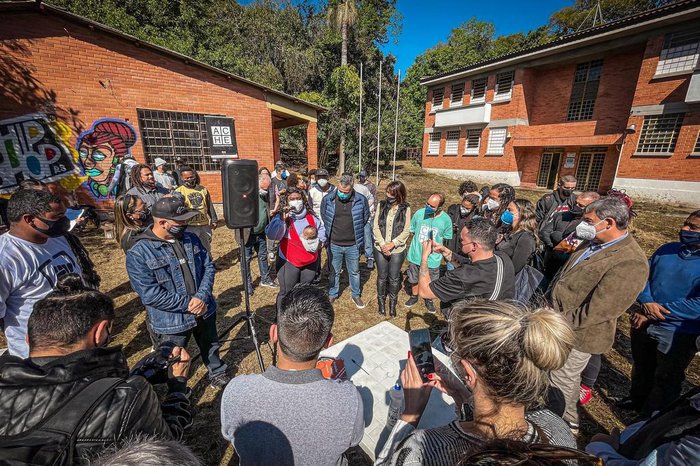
[531, 294]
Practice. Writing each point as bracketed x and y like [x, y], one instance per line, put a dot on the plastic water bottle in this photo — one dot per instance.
[395, 406]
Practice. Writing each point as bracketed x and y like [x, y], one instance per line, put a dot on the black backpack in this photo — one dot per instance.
[52, 441]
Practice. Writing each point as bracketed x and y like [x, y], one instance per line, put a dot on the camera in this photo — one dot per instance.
[154, 366]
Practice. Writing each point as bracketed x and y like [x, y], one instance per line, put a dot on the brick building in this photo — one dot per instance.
[615, 105]
[76, 95]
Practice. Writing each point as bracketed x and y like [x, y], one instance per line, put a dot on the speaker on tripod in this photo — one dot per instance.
[240, 189]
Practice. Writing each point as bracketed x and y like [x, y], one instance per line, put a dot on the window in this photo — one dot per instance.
[434, 144]
[590, 169]
[457, 95]
[452, 143]
[497, 139]
[697, 145]
[176, 134]
[473, 142]
[504, 85]
[478, 90]
[584, 90]
[659, 133]
[438, 96]
[680, 52]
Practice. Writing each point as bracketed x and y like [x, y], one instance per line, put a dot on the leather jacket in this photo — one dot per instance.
[33, 388]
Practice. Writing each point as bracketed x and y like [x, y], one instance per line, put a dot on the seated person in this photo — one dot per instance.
[502, 353]
[290, 414]
[68, 333]
[481, 272]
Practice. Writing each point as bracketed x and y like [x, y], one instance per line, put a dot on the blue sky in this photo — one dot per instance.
[427, 22]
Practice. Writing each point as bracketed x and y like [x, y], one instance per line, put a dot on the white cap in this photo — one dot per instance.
[160, 162]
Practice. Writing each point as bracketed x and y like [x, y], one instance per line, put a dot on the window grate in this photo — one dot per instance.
[478, 90]
[434, 143]
[457, 94]
[589, 171]
[452, 143]
[584, 90]
[660, 133]
[697, 145]
[473, 142]
[545, 166]
[171, 135]
[504, 85]
[680, 52]
[438, 96]
[497, 140]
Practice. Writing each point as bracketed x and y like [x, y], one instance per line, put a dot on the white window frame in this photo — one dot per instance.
[477, 100]
[497, 141]
[442, 98]
[452, 142]
[498, 95]
[432, 140]
[458, 102]
[680, 53]
[651, 135]
[472, 150]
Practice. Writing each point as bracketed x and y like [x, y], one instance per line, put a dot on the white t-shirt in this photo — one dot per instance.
[28, 272]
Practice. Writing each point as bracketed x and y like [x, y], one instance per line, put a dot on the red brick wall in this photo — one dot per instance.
[71, 61]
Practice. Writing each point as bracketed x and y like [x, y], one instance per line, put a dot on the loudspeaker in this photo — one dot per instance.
[239, 180]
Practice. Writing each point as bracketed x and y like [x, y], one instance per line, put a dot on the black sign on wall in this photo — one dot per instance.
[221, 132]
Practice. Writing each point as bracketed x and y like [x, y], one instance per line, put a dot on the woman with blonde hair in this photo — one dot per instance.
[130, 214]
[519, 238]
[502, 353]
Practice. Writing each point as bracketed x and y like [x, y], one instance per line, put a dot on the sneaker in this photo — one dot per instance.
[358, 302]
[431, 307]
[219, 381]
[584, 395]
[573, 426]
[412, 301]
[269, 284]
[370, 263]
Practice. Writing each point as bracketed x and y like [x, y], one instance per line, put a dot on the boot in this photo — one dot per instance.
[394, 287]
[381, 297]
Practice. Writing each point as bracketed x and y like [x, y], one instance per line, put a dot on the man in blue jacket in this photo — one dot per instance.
[344, 215]
[667, 324]
[173, 274]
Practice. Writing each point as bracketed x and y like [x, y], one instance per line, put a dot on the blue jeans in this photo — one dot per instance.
[369, 239]
[258, 242]
[351, 254]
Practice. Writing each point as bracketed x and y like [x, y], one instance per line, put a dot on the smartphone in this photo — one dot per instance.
[430, 234]
[422, 352]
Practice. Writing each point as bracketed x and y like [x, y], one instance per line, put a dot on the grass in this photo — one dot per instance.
[655, 225]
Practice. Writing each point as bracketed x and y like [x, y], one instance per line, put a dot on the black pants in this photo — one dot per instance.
[389, 273]
[289, 275]
[207, 341]
[658, 368]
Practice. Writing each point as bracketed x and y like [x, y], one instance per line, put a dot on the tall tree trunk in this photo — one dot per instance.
[343, 62]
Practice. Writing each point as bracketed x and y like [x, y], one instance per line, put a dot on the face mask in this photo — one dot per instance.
[566, 192]
[285, 174]
[312, 180]
[262, 192]
[429, 210]
[586, 231]
[311, 245]
[464, 211]
[190, 183]
[343, 196]
[177, 230]
[296, 205]
[322, 182]
[56, 227]
[576, 211]
[690, 238]
[391, 200]
[140, 216]
[507, 217]
[492, 204]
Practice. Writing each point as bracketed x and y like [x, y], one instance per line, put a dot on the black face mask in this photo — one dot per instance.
[190, 184]
[391, 200]
[177, 231]
[566, 192]
[56, 227]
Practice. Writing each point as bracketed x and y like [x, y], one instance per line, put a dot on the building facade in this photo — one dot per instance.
[76, 96]
[616, 106]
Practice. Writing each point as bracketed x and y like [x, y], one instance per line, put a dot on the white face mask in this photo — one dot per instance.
[586, 231]
[492, 204]
[311, 245]
[322, 182]
[296, 205]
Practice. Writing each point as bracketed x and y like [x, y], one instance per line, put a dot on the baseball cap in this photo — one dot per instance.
[172, 208]
[321, 172]
[363, 174]
[159, 162]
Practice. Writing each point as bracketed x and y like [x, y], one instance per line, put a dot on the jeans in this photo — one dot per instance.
[258, 242]
[660, 358]
[351, 254]
[207, 341]
[590, 373]
[289, 275]
[369, 239]
[389, 272]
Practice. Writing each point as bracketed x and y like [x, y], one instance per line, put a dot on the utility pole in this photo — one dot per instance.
[396, 127]
[359, 158]
[379, 117]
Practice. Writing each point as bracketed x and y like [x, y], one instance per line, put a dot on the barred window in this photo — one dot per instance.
[697, 145]
[170, 135]
[497, 140]
[589, 170]
[438, 96]
[584, 90]
[473, 142]
[457, 95]
[680, 52]
[478, 90]
[545, 167]
[452, 143]
[434, 143]
[659, 133]
[504, 85]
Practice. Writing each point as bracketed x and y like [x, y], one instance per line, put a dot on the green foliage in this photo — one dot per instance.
[581, 14]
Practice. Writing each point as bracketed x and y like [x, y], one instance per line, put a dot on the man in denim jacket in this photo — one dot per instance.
[174, 275]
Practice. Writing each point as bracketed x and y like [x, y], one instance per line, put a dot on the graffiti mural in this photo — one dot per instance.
[100, 149]
[32, 148]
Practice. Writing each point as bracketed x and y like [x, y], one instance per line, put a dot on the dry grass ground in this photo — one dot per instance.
[655, 225]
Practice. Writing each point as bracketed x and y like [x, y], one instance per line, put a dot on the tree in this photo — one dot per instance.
[572, 18]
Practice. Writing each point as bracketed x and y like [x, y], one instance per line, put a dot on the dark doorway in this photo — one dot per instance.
[549, 170]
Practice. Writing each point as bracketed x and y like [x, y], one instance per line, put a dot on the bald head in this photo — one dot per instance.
[436, 200]
[586, 197]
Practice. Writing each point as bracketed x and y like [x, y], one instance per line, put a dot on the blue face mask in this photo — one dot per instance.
[284, 174]
[507, 217]
[429, 209]
[343, 196]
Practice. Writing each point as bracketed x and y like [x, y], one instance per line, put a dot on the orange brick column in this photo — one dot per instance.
[311, 145]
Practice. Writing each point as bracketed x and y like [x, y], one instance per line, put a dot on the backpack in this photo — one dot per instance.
[52, 441]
